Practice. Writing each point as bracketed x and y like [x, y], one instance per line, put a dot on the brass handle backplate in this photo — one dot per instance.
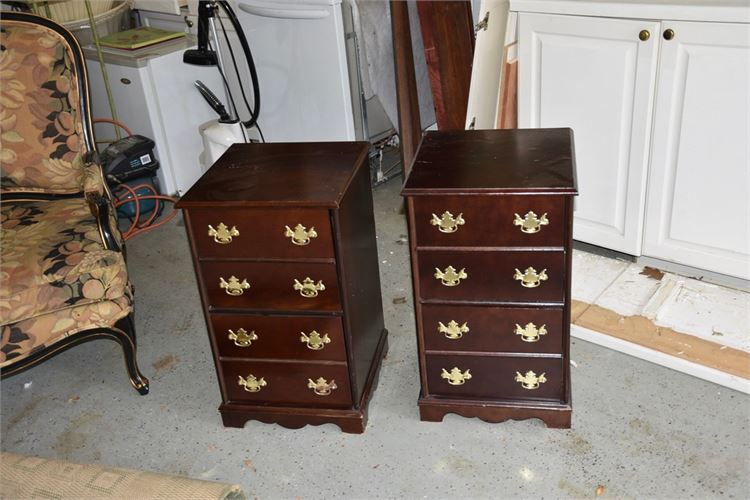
[453, 331]
[300, 235]
[242, 338]
[530, 332]
[530, 278]
[644, 35]
[308, 288]
[530, 223]
[451, 277]
[455, 376]
[322, 387]
[222, 234]
[668, 34]
[251, 383]
[446, 223]
[530, 380]
[234, 286]
[315, 341]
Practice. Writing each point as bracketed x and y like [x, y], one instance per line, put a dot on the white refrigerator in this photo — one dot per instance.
[309, 85]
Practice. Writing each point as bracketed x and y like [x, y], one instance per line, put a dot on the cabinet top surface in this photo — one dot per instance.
[735, 11]
[494, 161]
[314, 174]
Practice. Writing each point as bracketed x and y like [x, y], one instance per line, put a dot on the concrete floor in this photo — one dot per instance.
[639, 430]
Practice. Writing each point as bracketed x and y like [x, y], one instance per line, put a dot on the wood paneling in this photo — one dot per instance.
[409, 121]
[448, 36]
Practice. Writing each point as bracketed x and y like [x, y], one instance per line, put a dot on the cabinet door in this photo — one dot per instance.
[697, 208]
[595, 76]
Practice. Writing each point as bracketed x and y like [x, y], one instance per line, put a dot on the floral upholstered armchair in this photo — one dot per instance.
[63, 279]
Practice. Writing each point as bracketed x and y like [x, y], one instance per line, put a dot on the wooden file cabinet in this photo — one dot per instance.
[283, 242]
[490, 221]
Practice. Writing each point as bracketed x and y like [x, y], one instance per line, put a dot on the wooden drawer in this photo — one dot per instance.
[287, 383]
[271, 285]
[488, 221]
[494, 377]
[490, 276]
[262, 233]
[280, 337]
[492, 329]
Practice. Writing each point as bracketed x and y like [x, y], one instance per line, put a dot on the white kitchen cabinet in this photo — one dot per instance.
[661, 121]
[698, 211]
[597, 77]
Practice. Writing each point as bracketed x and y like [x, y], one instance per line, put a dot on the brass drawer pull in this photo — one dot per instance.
[530, 223]
[450, 277]
[299, 235]
[446, 223]
[252, 384]
[453, 331]
[234, 286]
[530, 278]
[308, 288]
[322, 387]
[242, 338]
[455, 376]
[530, 333]
[314, 341]
[222, 234]
[530, 380]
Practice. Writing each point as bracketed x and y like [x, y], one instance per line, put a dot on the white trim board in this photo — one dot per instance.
[662, 359]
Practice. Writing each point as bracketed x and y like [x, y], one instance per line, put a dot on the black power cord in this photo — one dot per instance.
[255, 110]
[231, 97]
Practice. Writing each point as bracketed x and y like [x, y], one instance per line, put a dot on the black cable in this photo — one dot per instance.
[254, 112]
[231, 97]
[257, 125]
[242, 88]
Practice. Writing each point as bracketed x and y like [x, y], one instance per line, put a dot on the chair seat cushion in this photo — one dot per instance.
[56, 277]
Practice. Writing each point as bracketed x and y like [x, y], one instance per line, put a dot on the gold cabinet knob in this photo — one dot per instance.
[314, 341]
[453, 331]
[300, 235]
[251, 383]
[234, 286]
[530, 380]
[455, 376]
[242, 338]
[222, 234]
[308, 288]
[530, 333]
[530, 278]
[446, 223]
[668, 34]
[530, 223]
[322, 387]
[644, 35]
[451, 277]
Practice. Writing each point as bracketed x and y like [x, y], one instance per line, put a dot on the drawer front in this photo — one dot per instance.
[286, 383]
[495, 377]
[271, 286]
[257, 233]
[281, 337]
[490, 221]
[493, 329]
[491, 276]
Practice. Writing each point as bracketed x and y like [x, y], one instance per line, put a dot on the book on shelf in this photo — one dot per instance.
[137, 38]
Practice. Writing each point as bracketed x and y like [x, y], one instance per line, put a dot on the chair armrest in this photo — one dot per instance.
[93, 177]
[102, 210]
[99, 197]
